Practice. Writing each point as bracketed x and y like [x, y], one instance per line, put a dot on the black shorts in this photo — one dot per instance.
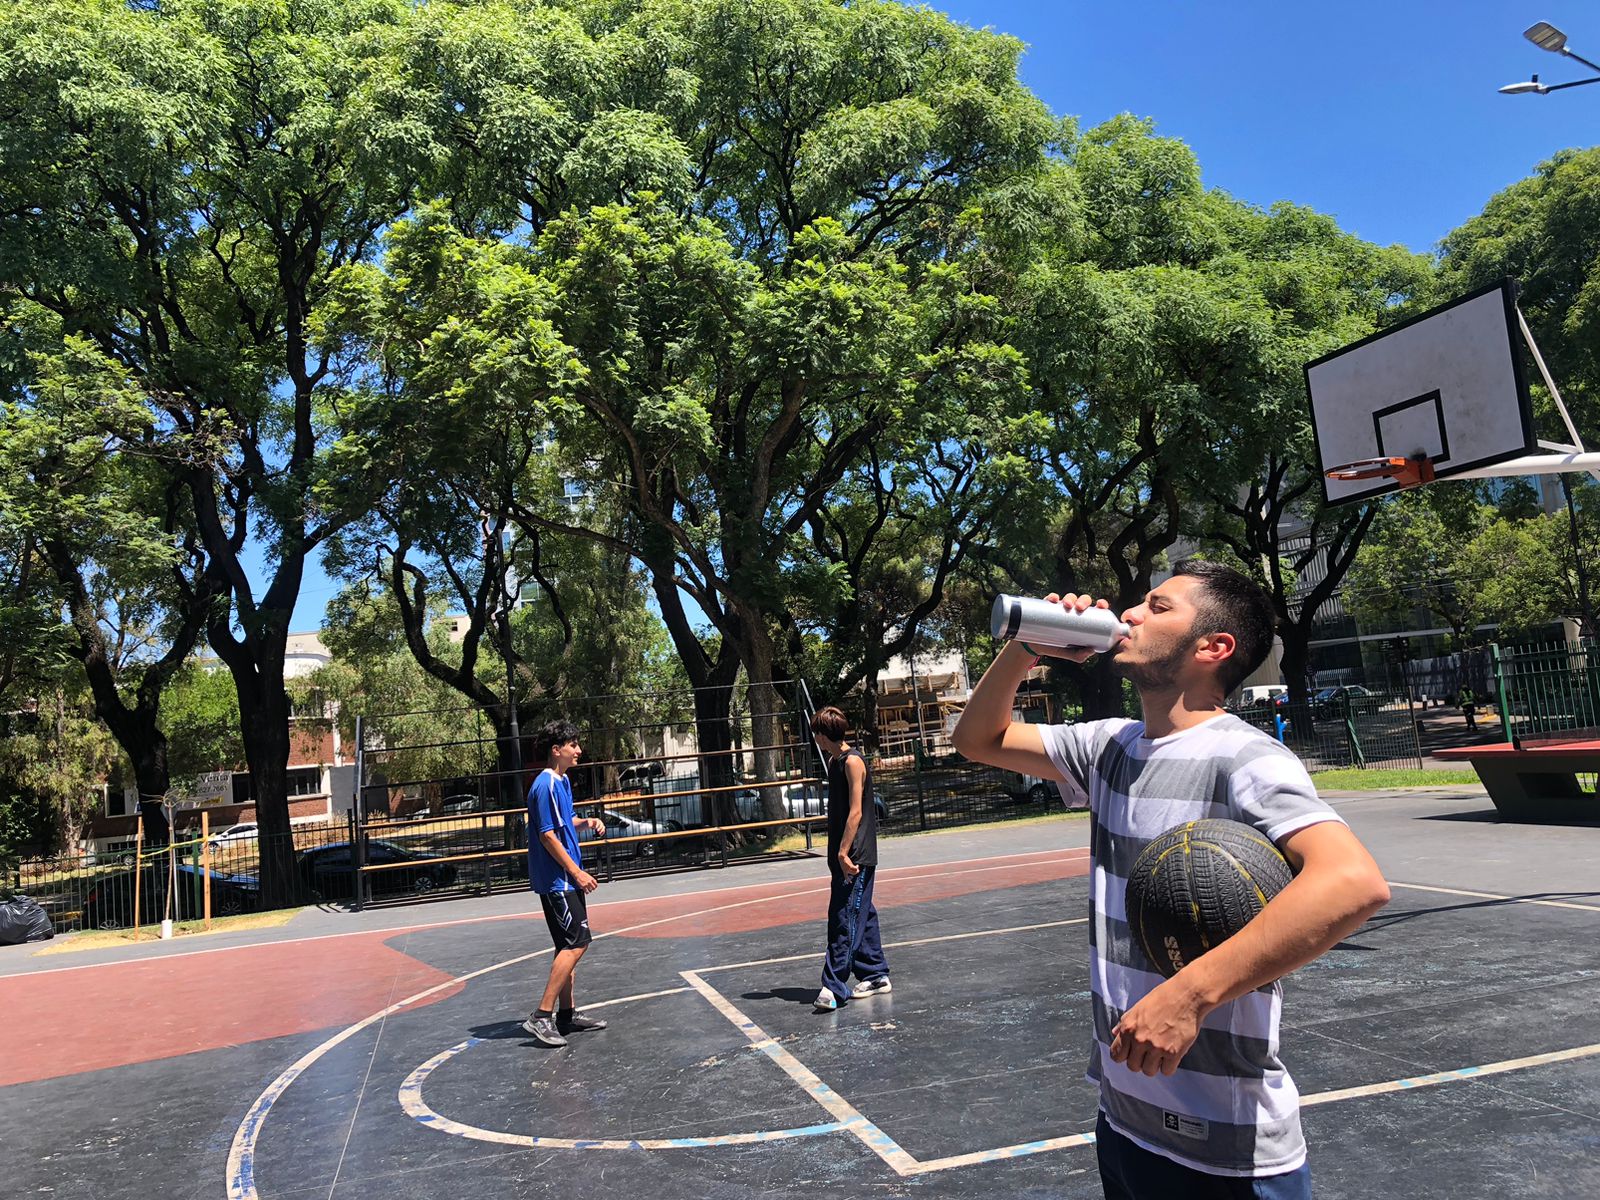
[567, 914]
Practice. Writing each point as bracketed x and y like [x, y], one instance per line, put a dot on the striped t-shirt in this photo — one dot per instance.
[1230, 1108]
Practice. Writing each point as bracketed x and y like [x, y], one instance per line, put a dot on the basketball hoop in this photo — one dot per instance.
[1407, 472]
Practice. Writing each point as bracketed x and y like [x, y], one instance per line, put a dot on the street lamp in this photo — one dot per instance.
[1547, 37]
[1528, 85]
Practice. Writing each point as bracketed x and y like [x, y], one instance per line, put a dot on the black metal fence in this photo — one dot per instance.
[1359, 728]
[183, 880]
[674, 793]
[1549, 691]
[432, 816]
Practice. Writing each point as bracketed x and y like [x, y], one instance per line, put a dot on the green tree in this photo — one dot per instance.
[182, 179]
[88, 491]
[1165, 328]
[769, 291]
[55, 760]
[1544, 231]
[200, 718]
[472, 504]
[1412, 560]
[1325, 288]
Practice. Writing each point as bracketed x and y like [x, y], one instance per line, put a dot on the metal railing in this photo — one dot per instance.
[1549, 691]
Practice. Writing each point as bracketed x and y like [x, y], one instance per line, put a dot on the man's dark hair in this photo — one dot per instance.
[556, 733]
[831, 722]
[1230, 602]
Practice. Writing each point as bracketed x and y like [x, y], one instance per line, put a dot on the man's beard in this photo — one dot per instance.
[1159, 674]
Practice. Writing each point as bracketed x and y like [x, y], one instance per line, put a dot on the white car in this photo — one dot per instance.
[619, 826]
[799, 800]
[244, 832]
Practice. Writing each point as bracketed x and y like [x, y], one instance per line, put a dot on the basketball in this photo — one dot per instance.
[1197, 885]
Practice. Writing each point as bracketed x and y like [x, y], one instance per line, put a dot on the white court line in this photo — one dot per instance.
[848, 1116]
[411, 1100]
[241, 1159]
[1438, 1077]
[1074, 852]
[241, 1154]
[1423, 887]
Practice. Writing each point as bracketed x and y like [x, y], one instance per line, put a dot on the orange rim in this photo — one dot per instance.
[1407, 471]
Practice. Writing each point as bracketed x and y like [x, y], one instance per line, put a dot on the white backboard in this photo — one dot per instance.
[1448, 383]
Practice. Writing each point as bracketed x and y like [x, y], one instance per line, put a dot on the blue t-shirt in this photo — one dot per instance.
[550, 807]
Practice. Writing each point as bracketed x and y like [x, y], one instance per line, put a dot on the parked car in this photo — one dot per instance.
[464, 802]
[245, 831]
[620, 826]
[1330, 701]
[799, 800]
[639, 774]
[109, 904]
[1031, 789]
[329, 871]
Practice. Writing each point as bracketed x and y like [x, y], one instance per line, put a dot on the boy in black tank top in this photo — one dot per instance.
[854, 944]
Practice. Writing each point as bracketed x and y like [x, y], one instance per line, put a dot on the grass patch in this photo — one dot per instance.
[1350, 779]
[98, 939]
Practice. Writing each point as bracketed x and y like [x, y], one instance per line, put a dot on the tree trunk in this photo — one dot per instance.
[868, 729]
[264, 718]
[1100, 690]
[1296, 639]
[711, 679]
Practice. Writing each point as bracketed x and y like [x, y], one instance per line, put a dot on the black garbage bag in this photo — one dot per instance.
[22, 920]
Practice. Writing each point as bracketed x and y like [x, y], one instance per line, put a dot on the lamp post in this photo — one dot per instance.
[1547, 37]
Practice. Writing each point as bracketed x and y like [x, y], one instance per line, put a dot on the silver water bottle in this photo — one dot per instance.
[1041, 623]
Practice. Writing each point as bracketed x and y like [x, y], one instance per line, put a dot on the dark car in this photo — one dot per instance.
[109, 904]
[1331, 701]
[329, 871]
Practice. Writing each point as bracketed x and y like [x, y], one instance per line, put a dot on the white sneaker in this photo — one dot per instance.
[826, 1001]
[872, 987]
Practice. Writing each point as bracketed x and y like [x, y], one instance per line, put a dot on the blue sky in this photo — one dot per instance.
[1384, 115]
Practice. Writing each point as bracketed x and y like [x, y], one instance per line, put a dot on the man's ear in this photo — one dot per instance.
[1216, 647]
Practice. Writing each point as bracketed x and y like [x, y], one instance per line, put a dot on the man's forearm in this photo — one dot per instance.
[987, 713]
[552, 844]
[1304, 921]
[851, 823]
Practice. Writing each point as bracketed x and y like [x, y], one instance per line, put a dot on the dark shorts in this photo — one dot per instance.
[567, 914]
[1130, 1172]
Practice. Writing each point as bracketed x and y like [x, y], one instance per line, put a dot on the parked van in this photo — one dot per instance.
[1260, 693]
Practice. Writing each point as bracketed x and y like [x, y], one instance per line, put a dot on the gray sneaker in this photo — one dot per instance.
[872, 987]
[578, 1023]
[544, 1031]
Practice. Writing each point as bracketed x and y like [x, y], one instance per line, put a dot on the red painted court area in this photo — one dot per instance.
[67, 1021]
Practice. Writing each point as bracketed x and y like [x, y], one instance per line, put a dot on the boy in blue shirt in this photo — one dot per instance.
[555, 871]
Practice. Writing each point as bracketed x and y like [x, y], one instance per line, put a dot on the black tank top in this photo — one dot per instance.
[864, 851]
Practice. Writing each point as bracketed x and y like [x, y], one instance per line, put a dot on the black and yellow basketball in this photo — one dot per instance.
[1197, 885]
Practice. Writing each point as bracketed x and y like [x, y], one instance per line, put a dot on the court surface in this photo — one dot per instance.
[1451, 1048]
